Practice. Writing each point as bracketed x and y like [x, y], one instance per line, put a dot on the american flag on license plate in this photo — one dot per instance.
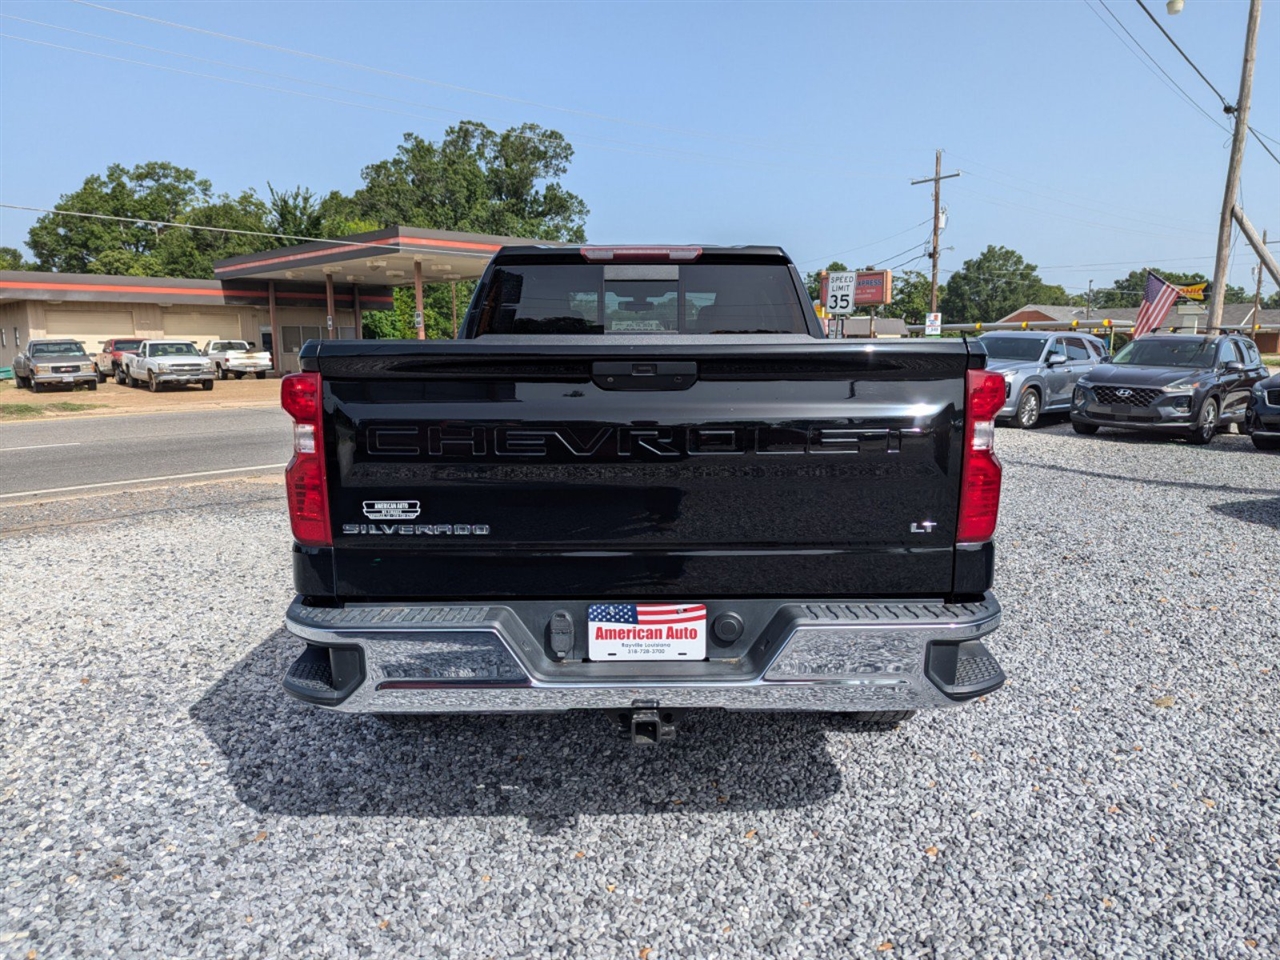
[647, 614]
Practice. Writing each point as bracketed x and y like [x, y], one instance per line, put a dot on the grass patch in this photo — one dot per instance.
[29, 411]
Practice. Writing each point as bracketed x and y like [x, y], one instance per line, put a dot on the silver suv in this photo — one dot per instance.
[1040, 370]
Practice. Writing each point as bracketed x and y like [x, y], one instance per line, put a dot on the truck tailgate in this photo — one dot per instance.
[631, 467]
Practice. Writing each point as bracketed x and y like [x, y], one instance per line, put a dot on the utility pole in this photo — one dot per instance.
[1257, 291]
[1233, 170]
[936, 180]
[1088, 305]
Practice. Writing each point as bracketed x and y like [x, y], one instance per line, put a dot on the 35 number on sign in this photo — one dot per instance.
[840, 292]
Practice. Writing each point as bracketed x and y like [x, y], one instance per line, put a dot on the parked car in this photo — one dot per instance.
[237, 358]
[162, 363]
[1040, 370]
[1262, 416]
[107, 362]
[47, 363]
[1174, 383]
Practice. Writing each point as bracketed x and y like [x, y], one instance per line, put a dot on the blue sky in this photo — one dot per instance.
[792, 123]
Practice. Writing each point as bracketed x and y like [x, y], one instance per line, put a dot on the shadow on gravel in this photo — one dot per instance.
[285, 757]
[1114, 478]
[1222, 443]
[1265, 512]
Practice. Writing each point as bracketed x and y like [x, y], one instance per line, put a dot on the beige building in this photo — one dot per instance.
[93, 308]
[278, 299]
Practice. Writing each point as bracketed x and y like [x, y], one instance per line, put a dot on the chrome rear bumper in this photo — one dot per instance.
[473, 658]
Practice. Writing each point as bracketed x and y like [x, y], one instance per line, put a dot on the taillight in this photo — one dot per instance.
[620, 254]
[980, 473]
[304, 477]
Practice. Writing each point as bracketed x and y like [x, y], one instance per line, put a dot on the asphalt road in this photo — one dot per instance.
[103, 453]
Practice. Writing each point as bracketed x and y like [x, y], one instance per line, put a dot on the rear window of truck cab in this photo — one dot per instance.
[641, 298]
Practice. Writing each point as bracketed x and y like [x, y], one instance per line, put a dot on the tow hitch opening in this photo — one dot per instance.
[647, 723]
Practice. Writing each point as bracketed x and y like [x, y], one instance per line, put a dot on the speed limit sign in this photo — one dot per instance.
[840, 292]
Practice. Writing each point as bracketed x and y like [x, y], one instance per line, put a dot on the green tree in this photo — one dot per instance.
[477, 180]
[911, 290]
[992, 285]
[11, 259]
[813, 279]
[142, 225]
[192, 253]
[294, 213]
[437, 313]
[143, 197]
[1127, 291]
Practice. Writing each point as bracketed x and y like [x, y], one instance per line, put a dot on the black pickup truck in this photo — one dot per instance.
[643, 482]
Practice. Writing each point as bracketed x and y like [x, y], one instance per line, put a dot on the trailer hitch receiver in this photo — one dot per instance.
[648, 723]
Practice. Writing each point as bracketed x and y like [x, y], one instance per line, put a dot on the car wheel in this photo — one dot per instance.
[1028, 412]
[261, 374]
[206, 384]
[35, 387]
[119, 375]
[130, 379]
[1087, 429]
[1206, 424]
[93, 384]
[102, 377]
[19, 382]
[1266, 443]
[152, 383]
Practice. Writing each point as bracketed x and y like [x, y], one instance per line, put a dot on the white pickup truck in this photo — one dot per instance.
[159, 363]
[235, 358]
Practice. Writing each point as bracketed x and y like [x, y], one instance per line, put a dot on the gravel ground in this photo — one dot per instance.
[160, 797]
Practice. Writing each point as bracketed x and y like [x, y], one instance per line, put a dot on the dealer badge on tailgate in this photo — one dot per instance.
[647, 631]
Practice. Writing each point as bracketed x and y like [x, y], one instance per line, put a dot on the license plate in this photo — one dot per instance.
[647, 631]
[68, 379]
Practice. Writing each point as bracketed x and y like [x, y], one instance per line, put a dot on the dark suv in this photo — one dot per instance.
[1176, 383]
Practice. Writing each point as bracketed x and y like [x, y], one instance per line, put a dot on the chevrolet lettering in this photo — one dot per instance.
[451, 442]
[691, 499]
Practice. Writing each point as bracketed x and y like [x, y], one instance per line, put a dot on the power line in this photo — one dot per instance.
[142, 221]
[617, 146]
[1061, 216]
[1227, 108]
[1140, 215]
[866, 246]
[1151, 220]
[335, 61]
[1175, 85]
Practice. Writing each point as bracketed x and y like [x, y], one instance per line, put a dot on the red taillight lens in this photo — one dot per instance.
[621, 254]
[981, 473]
[300, 396]
[305, 483]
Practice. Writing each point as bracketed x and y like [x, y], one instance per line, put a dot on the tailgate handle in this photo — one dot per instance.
[644, 374]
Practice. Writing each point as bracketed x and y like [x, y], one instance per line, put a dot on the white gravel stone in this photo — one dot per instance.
[161, 797]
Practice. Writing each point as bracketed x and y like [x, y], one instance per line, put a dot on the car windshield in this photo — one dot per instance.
[173, 350]
[542, 297]
[1014, 348]
[62, 348]
[1169, 353]
[128, 344]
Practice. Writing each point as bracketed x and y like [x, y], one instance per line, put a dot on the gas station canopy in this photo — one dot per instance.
[389, 257]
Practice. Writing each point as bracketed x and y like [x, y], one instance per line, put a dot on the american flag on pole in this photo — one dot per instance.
[1157, 299]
